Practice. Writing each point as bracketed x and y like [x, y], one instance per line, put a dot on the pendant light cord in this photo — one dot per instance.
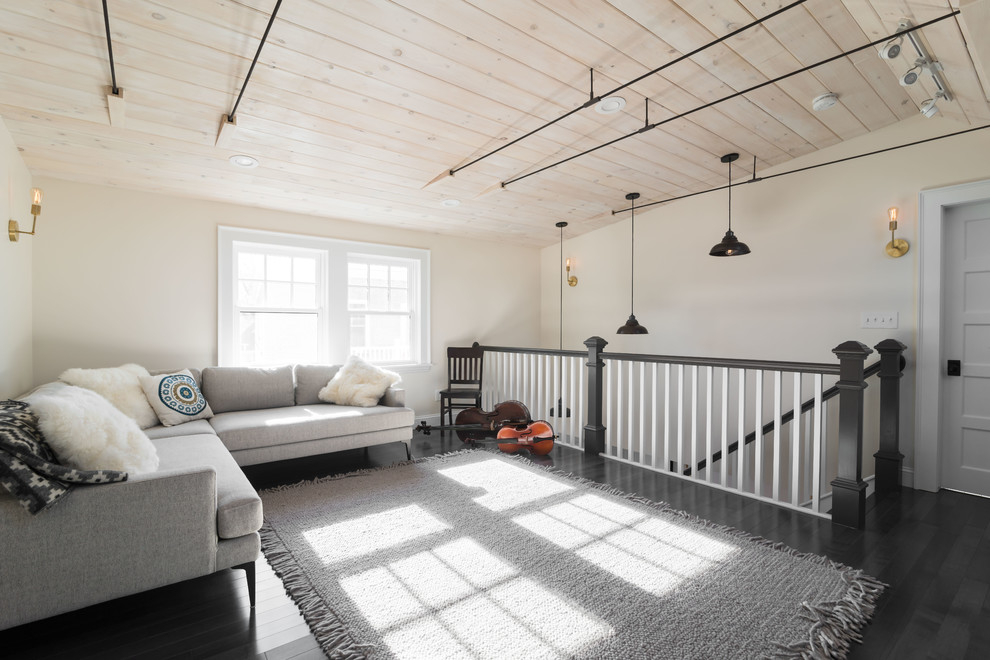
[730, 195]
[560, 340]
[632, 257]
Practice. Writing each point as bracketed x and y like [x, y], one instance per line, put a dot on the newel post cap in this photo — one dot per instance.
[852, 349]
[890, 345]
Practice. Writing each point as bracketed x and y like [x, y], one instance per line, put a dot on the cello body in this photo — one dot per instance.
[486, 421]
[536, 438]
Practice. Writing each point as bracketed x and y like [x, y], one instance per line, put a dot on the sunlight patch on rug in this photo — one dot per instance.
[462, 599]
[627, 543]
[372, 533]
[506, 486]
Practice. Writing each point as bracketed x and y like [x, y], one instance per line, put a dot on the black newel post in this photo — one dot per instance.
[594, 432]
[889, 457]
[848, 487]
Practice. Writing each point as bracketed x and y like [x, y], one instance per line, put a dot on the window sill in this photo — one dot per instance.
[407, 368]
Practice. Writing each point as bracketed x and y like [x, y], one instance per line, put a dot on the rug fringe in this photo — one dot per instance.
[329, 630]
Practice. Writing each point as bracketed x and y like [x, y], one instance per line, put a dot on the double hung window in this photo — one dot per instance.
[296, 299]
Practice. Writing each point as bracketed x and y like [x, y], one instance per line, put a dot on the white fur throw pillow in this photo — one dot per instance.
[358, 383]
[118, 385]
[88, 433]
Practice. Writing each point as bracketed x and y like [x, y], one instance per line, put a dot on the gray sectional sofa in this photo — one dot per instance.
[197, 513]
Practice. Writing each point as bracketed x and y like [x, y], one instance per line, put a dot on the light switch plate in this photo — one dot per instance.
[878, 320]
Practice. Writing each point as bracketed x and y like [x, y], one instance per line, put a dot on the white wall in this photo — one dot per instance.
[125, 276]
[817, 260]
[15, 272]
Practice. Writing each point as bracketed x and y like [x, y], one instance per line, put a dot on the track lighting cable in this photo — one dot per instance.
[772, 81]
[756, 179]
[113, 72]
[261, 45]
[595, 99]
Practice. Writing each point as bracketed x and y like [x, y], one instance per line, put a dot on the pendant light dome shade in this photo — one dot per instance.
[632, 326]
[730, 245]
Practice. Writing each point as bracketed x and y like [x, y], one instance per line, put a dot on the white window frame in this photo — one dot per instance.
[334, 323]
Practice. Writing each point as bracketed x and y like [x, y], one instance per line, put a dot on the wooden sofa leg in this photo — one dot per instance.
[248, 568]
[408, 453]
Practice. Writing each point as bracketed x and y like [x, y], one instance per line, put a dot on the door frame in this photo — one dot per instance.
[932, 208]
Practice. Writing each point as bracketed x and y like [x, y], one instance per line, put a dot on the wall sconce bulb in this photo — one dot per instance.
[897, 247]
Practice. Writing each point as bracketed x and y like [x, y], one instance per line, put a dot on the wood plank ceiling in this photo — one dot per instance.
[355, 106]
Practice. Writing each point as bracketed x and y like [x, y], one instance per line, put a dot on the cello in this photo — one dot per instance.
[510, 421]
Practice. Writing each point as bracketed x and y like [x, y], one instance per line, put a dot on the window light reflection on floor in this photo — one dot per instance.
[370, 534]
[647, 552]
[506, 486]
[459, 600]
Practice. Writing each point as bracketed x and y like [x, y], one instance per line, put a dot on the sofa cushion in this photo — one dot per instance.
[238, 505]
[88, 432]
[248, 388]
[191, 428]
[176, 398]
[310, 379]
[118, 385]
[249, 429]
[358, 383]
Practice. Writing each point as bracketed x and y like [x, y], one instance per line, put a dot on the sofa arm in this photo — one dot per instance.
[105, 541]
[394, 397]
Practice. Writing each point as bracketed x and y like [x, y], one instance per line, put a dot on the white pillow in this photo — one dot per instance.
[88, 433]
[358, 383]
[118, 385]
[176, 397]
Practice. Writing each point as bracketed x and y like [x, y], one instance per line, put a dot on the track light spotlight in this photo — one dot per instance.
[910, 76]
[891, 49]
[929, 108]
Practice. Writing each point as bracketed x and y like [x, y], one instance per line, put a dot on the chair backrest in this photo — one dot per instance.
[464, 365]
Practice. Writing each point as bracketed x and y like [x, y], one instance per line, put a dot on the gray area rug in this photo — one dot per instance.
[481, 555]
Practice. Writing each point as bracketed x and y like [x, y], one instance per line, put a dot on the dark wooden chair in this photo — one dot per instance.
[463, 381]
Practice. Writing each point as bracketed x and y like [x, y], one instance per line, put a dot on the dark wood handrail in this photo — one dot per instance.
[787, 417]
[535, 351]
[727, 363]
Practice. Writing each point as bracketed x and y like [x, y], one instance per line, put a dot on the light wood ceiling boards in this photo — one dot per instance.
[356, 107]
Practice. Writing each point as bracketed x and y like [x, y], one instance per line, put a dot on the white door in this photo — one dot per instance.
[965, 437]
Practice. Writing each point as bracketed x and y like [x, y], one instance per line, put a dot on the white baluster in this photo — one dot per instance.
[741, 446]
[816, 451]
[667, 454]
[758, 425]
[724, 468]
[777, 431]
[694, 421]
[630, 432]
[796, 443]
[609, 427]
[653, 416]
[708, 424]
[642, 413]
[680, 418]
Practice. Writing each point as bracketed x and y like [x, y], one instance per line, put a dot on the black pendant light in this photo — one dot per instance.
[632, 326]
[730, 245]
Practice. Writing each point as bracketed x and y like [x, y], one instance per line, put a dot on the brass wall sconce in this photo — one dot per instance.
[897, 247]
[571, 279]
[13, 230]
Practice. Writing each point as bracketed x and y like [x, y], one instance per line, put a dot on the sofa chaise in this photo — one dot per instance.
[197, 513]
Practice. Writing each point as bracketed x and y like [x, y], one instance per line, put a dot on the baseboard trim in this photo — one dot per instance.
[907, 477]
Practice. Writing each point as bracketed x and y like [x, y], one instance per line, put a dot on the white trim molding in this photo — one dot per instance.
[932, 207]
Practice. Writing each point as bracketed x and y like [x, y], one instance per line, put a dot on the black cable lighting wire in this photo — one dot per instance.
[261, 45]
[649, 127]
[113, 73]
[595, 99]
[756, 179]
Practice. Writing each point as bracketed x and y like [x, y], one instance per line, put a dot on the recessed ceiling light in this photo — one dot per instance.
[609, 105]
[824, 102]
[240, 160]
[451, 203]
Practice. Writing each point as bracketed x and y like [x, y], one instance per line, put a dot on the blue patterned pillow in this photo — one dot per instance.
[176, 398]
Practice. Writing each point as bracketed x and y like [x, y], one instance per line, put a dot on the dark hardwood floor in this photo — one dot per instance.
[932, 549]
